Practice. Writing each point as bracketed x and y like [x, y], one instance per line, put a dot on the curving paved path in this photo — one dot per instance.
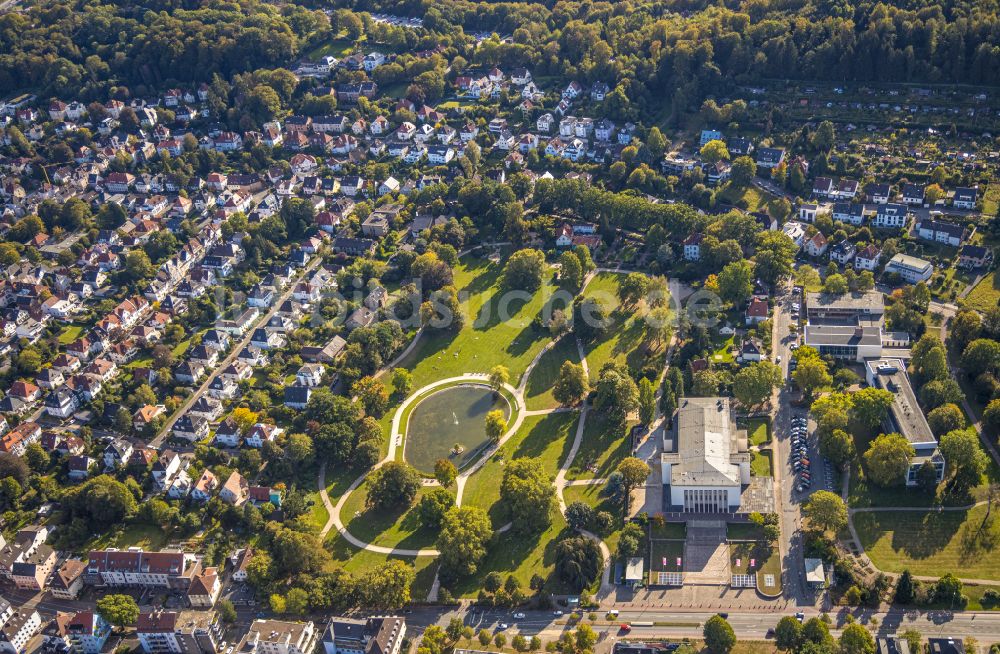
[863, 555]
[560, 482]
[395, 441]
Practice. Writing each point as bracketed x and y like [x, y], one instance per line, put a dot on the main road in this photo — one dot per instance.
[678, 623]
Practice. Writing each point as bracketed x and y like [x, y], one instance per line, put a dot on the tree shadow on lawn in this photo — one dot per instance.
[927, 536]
[486, 274]
[506, 553]
[370, 524]
[524, 341]
[543, 433]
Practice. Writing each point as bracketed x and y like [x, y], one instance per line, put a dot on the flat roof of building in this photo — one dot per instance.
[890, 374]
[707, 442]
[843, 335]
[908, 261]
[867, 301]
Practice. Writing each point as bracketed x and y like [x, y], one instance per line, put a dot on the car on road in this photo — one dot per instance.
[502, 626]
[625, 627]
[800, 616]
[519, 616]
[557, 613]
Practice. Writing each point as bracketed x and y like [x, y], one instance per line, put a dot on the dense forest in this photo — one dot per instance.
[684, 50]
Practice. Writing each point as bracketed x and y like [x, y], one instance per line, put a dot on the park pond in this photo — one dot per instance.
[450, 417]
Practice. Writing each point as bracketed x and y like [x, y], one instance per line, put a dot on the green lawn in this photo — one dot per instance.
[985, 295]
[591, 495]
[338, 48]
[538, 393]
[484, 340]
[70, 333]
[669, 550]
[743, 531]
[991, 200]
[521, 555]
[668, 530]
[359, 562]
[933, 542]
[760, 464]
[546, 439]
[601, 450]
[758, 431]
[766, 561]
[625, 340]
[393, 528]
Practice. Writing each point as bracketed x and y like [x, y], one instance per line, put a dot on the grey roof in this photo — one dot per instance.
[707, 440]
[907, 417]
[843, 335]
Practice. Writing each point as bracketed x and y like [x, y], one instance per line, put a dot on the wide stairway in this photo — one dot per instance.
[706, 554]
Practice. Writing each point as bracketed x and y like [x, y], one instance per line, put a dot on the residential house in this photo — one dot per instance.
[891, 216]
[939, 231]
[868, 258]
[843, 252]
[910, 269]
[816, 246]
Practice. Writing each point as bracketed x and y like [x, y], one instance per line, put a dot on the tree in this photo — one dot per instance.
[826, 510]
[806, 276]
[742, 172]
[929, 359]
[465, 533]
[496, 425]
[138, 266]
[524, 270]
[529, 496]
[948, 590]
[647, 401]
[945, 418]
[393, 486]
[719, 635]
[905, 588]
[118, 610]
[855, 639]
[634, 473]
[372, 394]
[870, 405]
[714, 151]
[736, 282]
[633, 288]
[579, 515]
[499, 377]
[964, 456]
[788, 633]
[888, 459]
[617, 395]
[570, 271]
[965, 327]
[433, 506]
[578, 561]
[774, 256]
[835, 284]
[387, 586]
[836, 445]
[942, 391]
[572, 385]
[811, 374]
[981, 355]
[226, 610]
[754, 383]
[445, 472]
[402, 381]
